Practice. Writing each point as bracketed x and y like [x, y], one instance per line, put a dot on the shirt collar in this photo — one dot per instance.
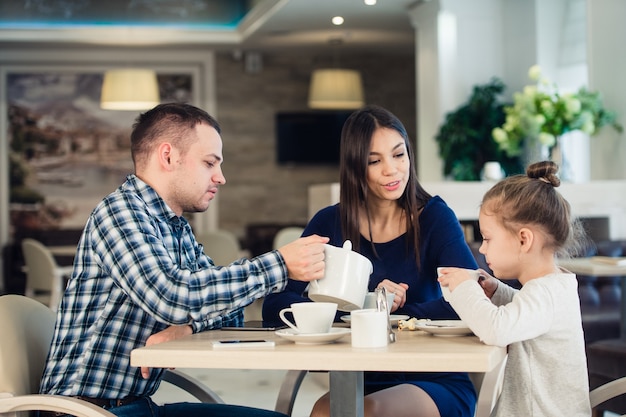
[156, 205]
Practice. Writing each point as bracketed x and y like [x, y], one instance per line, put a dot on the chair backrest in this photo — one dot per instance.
[40, 266]
[220, 245]
[608, 391]
[26, 329]
[286, 235]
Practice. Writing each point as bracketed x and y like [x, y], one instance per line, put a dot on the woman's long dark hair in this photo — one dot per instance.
[356, 138]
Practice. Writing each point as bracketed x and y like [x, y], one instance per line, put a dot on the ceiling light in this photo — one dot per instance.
[369, 2]
[337, 20]
[129, 89]
[336, 89]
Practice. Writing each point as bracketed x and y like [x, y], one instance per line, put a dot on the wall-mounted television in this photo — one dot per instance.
[309, 138]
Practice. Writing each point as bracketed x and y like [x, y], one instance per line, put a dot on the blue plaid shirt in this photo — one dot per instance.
[138, 270]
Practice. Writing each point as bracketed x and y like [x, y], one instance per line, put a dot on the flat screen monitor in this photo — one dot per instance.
[309, 138]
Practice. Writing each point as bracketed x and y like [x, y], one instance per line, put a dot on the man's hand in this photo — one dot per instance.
[171, 333]
[305, 257]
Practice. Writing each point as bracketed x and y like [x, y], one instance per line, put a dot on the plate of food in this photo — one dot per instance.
[444, 327]
[393, 318]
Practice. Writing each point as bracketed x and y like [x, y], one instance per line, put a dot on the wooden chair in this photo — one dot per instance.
[27, 327]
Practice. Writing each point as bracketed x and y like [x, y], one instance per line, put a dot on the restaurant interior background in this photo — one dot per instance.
[420, 59]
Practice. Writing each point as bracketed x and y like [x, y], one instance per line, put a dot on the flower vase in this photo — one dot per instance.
[558, 155]
[533, 151]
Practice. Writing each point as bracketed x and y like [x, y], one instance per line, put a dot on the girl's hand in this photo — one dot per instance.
[398, 289]
[489, 283]
[451, 277]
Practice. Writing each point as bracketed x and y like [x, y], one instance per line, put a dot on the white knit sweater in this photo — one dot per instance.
[546, 369]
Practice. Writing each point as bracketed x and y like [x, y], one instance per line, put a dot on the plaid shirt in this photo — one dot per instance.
[139, 269]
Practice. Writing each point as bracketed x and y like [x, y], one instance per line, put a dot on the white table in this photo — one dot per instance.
[414, 351]
[587, 266]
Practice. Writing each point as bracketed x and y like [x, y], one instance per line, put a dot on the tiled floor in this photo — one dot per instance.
[250, 387]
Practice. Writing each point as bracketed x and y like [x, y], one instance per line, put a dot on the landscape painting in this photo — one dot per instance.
[65, 152]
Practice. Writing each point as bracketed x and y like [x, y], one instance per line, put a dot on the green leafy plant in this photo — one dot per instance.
[465, 138]
[541, 113]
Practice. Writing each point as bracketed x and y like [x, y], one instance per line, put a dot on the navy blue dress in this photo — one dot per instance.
[442, 244]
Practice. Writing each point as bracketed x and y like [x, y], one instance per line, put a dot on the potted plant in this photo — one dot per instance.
[541, 115]
[465, 138]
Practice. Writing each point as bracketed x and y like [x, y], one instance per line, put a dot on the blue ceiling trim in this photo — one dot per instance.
[200, 14]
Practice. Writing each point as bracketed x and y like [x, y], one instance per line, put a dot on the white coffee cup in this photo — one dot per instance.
[310, 317]
[369, 328]
[370, 300]
[346, 276]
[445, 290]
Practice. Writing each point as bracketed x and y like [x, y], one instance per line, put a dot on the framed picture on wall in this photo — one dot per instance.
[65, 153]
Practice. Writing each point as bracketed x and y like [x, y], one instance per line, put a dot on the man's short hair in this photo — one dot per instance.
[174, 122]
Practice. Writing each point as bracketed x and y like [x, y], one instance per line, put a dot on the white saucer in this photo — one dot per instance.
[444, 327]
[313, 338]
[393, 318]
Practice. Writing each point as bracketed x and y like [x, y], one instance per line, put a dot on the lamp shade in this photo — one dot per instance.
[129, 89]
[336, 89]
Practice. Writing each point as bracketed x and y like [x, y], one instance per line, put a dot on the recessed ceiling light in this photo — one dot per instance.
[369, 2]
[337, 20]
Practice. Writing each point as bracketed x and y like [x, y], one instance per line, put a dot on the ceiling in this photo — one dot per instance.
[235, 24]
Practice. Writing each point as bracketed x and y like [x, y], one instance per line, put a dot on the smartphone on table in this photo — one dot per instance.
[241, 343]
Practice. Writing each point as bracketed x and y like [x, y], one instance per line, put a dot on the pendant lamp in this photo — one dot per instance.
[129, 89]
[336, 89]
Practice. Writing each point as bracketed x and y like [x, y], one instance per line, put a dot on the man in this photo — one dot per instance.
[140, 272]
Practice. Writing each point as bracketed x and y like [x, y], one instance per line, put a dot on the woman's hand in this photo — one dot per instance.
[398, 289]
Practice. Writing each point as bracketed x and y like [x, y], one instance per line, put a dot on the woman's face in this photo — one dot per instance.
[388, 165]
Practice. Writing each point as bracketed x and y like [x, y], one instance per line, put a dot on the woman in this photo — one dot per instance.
[407, 234]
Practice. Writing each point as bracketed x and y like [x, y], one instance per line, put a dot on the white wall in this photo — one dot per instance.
[458, 45]
[597, 199]
[606, 42]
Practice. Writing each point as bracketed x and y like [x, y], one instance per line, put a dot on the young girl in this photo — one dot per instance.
[525, 223]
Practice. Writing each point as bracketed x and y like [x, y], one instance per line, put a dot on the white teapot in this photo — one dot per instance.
[345, 278]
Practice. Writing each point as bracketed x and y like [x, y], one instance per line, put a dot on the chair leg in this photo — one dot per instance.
[490, 388]
[288, 391]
